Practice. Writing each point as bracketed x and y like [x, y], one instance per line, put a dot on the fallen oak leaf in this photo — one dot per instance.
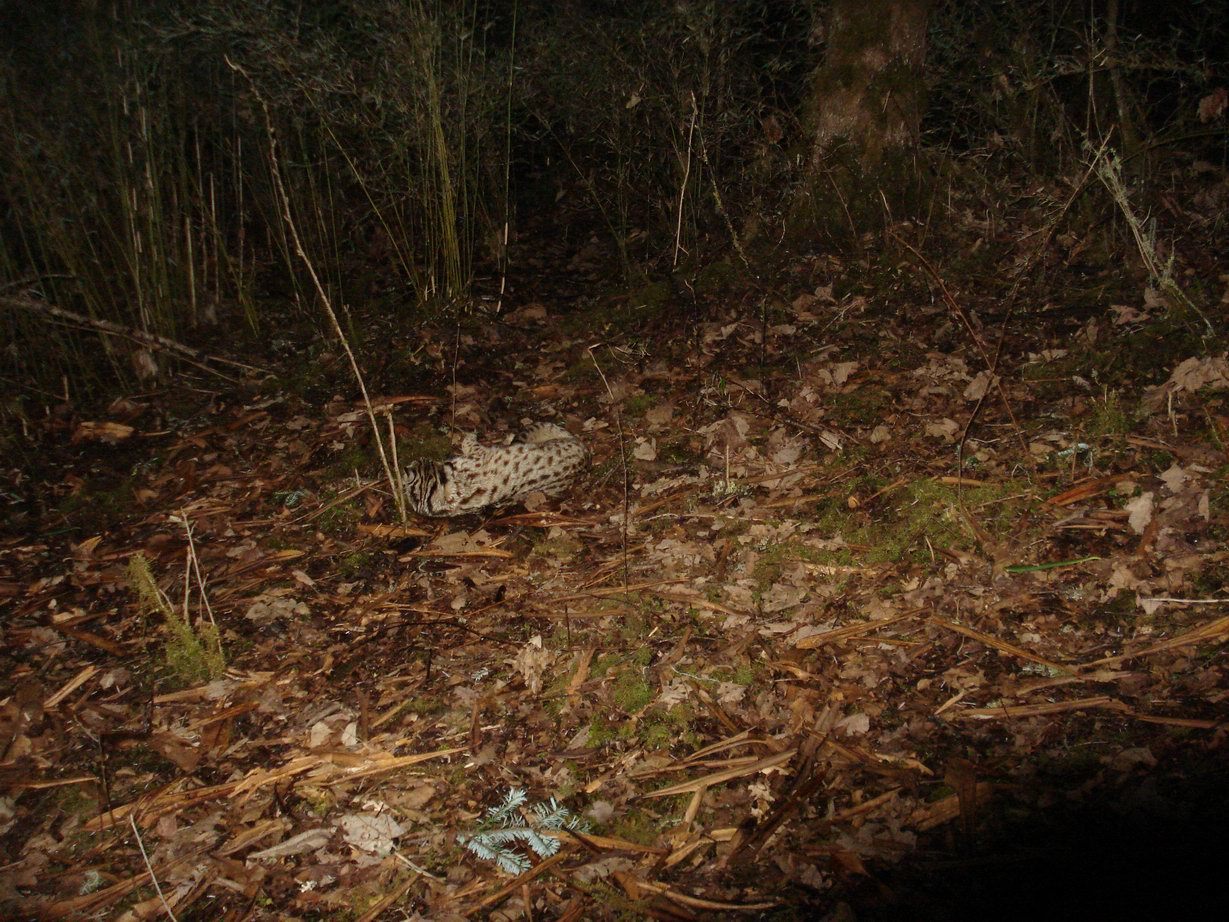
[371, 832]
[308, 841]
[89, 431]
[1139, 512]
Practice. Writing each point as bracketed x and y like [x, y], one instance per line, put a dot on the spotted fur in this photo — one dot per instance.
[547, 460]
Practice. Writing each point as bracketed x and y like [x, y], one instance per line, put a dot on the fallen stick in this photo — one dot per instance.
[143, 337]
[1081, 704]
[1001, 645]
[741, 771]
[1212, 630]
[811, 641]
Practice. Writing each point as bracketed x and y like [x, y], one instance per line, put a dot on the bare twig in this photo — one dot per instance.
[142, 337]
[398, 482]
[152, 876]
[1176, 601]
[1012, 297]
[194, 567]
[275, 170]
[614, 405]
[991, 362]
[712, 178]
[1108, 169]
[678, 228]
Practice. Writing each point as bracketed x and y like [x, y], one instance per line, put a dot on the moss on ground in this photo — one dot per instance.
[904, 525]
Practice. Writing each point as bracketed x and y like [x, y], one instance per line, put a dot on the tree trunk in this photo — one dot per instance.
[1129, 141]
[863, 116]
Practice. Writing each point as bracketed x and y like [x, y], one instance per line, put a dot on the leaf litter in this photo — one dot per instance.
[773, 643]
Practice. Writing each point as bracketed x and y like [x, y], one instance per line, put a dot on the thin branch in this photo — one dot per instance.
[292, 227]
[141, 337]
[712, 179]
[195, 567]
[152, 876]
[991, 362]
[614, 405]
[678, 229]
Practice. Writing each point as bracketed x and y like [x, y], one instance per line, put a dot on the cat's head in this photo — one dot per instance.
[424, 483]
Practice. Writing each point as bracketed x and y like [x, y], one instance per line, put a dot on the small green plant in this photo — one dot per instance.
[350, 459]
[631, 692]
[193, 654]
[637, 404]
[339, 521]
[1109, 418]
[601, 732]
[663, 729]
[505, 825]
[639, 826]
[98, 508]
[354, 564]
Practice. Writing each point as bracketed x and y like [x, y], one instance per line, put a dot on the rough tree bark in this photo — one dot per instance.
[863, 115]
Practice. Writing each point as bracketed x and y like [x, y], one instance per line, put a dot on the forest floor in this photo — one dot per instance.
[838, 622]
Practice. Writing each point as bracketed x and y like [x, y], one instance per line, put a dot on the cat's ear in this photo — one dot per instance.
[469, 444]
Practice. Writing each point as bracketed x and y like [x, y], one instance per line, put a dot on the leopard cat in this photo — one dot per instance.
[547, 460]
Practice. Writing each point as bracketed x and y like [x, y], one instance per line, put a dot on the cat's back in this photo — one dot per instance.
[547, 460]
